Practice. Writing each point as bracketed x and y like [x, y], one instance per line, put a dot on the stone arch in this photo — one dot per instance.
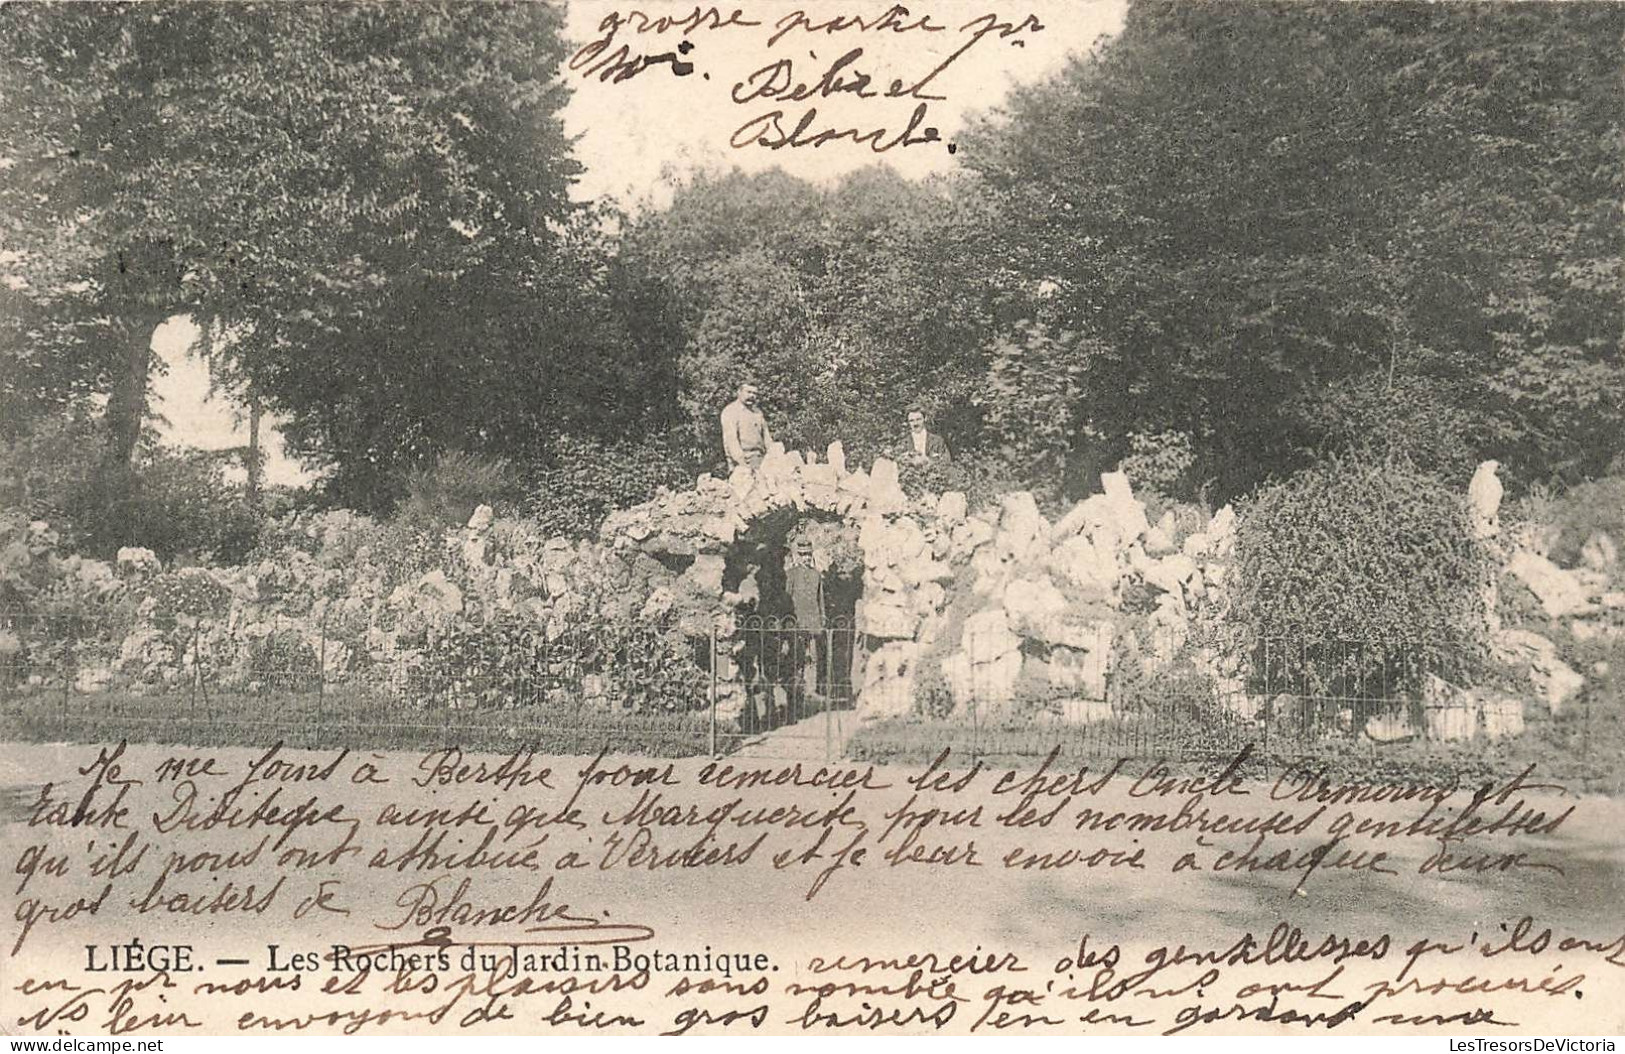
[716, 537]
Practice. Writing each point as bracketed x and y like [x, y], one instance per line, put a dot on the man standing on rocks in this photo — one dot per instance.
[744, 430]
[923, 446]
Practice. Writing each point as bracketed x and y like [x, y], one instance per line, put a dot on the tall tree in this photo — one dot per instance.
[381, 192]
[1294, 227]
[847, 303]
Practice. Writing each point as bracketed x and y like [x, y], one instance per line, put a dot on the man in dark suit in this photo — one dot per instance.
[922, 445]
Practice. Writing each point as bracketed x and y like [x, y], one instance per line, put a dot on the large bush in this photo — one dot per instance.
[1375, 555]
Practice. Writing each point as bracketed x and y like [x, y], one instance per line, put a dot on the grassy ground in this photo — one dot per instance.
[344, 718]
[1585, 747]
[1584, 751]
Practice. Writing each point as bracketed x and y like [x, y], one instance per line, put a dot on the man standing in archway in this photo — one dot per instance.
[805, 583]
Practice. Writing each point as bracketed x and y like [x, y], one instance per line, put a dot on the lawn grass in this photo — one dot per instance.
[1584, 752]
[343, 717]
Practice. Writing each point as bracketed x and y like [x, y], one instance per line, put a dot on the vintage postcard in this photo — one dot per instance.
[1060, 517]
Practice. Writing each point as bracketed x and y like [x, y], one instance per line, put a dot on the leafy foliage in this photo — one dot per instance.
[1289, 226]
[446, 493]
[602, 661]
[1032, 400]
[1378, 553]
[1593, 506]
[584, 479]
[390, 244]
[1159, 462]
[847, 304]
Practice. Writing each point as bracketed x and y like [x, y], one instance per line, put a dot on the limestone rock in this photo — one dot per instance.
[1092, 570]
[952, 507]
[1158, 541]
[885, 620]
[1023, 532]
[971, 535]
[1116, 518]
[888, 681]
[435, 594]
[1029, 602]
[1081, 670]
[835, 456]
[885, 492]
[1389, 728]
[1085, 711]
[1170, 574]
[136, 560]
[1061, 631]
[987, 637]
[1555, 680]
[704, 575]
[482, 518]
[1451, 713]
[1221, 532]
[923, 569]
[1076, 519]
[1599, 552]
[1484, 500]
[1558, 591]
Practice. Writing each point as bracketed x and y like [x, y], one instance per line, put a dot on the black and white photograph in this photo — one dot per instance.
[1074, 517]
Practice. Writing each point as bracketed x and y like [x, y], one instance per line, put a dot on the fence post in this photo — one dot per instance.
[192, 681]
[712, 744]
[321, 678]
[825, 639]
[198, 672]
[1585, 733]
[69, 647]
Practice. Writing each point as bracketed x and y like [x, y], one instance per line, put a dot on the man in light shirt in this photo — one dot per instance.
[924, 445]
[745, 435]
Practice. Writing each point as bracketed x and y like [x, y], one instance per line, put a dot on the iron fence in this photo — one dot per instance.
[756, 685]
[211, 682]
[779, 687]
[1372, 705]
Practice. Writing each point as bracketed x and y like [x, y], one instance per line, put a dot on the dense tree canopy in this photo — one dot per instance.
[846, 303]
[1298, 227]
[1262, 232]
[376, 194]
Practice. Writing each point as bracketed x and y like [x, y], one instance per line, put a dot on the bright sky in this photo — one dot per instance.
[634, 137]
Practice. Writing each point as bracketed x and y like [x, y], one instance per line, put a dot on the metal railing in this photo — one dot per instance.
[756, 683]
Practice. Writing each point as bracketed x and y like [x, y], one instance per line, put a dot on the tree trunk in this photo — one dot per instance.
[127, 399]
[256, 458]
[143, 287]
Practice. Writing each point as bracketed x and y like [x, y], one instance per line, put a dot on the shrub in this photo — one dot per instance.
[1031, 402]
[1160, 462]
[1421, 419]
[1376, 552]
[283, 661]
[510, 662]
[183, 506]
[582, 480]
[446, 493]
[44, 471]
[981, 478]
